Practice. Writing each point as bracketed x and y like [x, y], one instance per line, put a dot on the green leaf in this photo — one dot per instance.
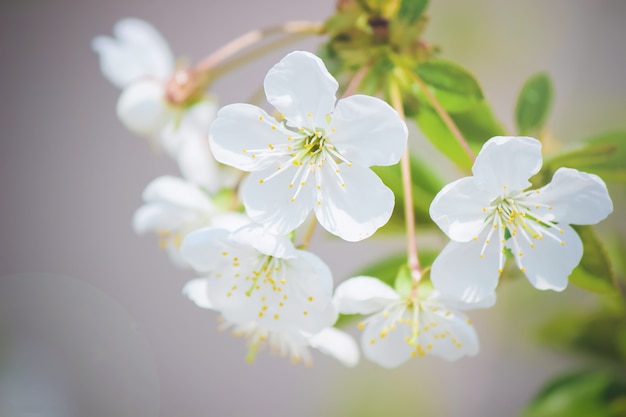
[403, 281]
[603, 155]
[583, 394]
[455, 88]
[594, 273]
[425, 185]
[411, 10]
[533, 104]
[477, 126]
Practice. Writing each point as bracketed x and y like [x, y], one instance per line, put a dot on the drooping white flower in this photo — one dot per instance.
[490, 212]
[175, 207]
[296, 346]
[401, 327]
[158, 101]
[255, 276]
[316, 156]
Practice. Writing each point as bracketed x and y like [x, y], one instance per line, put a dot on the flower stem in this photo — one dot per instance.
[297, 29]
[445, 116]
[409, 214]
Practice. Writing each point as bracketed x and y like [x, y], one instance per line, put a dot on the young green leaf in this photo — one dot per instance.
[455, 88]
[533, 104]
[603, 155]
[411, 10]
[477, 126]
[594, 273]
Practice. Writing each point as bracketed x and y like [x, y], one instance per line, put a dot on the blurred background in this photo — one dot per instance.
[92, 320]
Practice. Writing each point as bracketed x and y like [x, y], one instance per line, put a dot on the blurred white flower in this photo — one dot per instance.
[255, 276]
[175, 207]
[158, 101]
[296, 346]
[400, 327]
[490, 212]
[316, 156]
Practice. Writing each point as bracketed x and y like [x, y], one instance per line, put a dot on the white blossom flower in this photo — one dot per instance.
[330, 341]
[175, 207]
[401, 327]
[158, 101]
[255, 276]
[316, 156]
[490, 212]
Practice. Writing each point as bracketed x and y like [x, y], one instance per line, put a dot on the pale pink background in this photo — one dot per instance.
[91, 318]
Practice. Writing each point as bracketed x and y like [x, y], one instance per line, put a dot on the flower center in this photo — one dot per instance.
[304, 154]
[511, 217]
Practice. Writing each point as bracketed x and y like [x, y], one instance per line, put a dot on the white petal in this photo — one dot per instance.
[197, 290]
[550, 262]
[356, 210]
[270, 203]
[363, 295]
[193, 122]
[576, 198]
[263, 241]
[202, 249]
[230, 221]
[458, 209]
[197, 165]
[456, 336]
[508, 161]
[458, 304]
[138, 50]
[157, 217]
[301, 88]
[337, 344]
[177, 192]
[143, 109]
[390, 351]
[368, 131]
[240, 131]
[460, 271]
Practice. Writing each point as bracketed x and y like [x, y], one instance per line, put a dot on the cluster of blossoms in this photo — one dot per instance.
[313, 154]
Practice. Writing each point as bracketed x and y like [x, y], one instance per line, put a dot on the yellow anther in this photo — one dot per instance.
[273, 127]
[224, 253]
[386, 314]
[310, 299]
[361, 325]
[276, 316]
[469, 322]
[522, 269]
[228, 294]
[562, 243]
[260, 314]
[372, 341]
[475, 238]
[309, 114]
[260, 117]
[429, 347]
[305, 312]
[283, 281]
[261, 181]
[520, 254]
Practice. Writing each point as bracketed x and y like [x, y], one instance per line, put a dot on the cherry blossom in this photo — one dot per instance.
[492, 212]
[315, 156]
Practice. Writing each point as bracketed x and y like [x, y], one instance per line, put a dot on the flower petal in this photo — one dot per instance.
[507, 162]
[143, 109]
[460, 271]
[197, 165]
[157, 217]
[337, 344]
[368, 131]
[177, 192]
[139, 51]
[458, 209]
[202, 249]
[193, 121]
[355, 209]
[363, 295]
[389, 351]
[301, 88]
[270, 203]
[197, 290]
[548, 264]
[258, 237]
[449, 335]
[241, 134]
[459, 304]
[576, 198]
